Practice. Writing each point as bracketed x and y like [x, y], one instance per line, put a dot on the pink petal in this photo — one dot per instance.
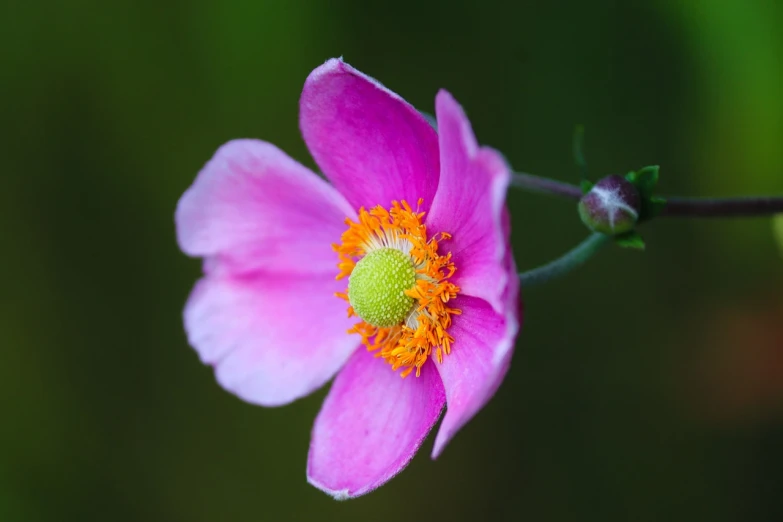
[478, 362]
[253, 207]
[469, 203]
[271, 338]
[371, 144]
[371, 425]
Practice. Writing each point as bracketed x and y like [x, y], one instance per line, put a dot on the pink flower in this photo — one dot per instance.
[416, 221]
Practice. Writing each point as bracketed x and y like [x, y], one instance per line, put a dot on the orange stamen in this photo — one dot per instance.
[406, 346]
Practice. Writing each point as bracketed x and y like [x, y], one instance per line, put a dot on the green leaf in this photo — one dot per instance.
[579, 158]
[586, 185]
[630, 239]
[578, 150]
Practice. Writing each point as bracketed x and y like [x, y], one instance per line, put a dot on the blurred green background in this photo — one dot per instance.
[645, 387]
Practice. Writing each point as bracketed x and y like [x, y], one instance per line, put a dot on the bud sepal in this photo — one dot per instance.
[630, 239]
[645, 180]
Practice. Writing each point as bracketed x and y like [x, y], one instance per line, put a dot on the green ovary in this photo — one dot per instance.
[376, 287]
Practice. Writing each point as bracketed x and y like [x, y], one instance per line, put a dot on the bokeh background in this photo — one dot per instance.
[646, 386]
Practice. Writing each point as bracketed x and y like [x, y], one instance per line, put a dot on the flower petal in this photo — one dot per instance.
[469, 203]
[254, 207]
[478, 362]
[371, 144]
[371, 425]
[271, 338]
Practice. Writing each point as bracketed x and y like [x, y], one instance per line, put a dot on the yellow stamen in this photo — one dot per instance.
[408, 345]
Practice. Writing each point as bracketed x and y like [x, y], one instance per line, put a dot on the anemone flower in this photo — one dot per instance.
[396, 275]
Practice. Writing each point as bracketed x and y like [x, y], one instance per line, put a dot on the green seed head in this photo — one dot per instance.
[376, 287]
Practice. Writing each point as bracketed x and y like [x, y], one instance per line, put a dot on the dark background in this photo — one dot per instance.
[646, 386]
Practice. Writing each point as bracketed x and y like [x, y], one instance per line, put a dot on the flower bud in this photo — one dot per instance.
[611, 207]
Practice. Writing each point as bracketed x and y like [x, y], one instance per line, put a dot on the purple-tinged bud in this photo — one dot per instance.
[611, 207]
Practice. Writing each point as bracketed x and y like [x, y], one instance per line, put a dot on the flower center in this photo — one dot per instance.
[398, 284]
[377, 285]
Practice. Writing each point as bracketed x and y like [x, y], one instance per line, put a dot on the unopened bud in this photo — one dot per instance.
[611, 207]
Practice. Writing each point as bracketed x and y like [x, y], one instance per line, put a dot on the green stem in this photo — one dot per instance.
[563, 265]
[675, 206]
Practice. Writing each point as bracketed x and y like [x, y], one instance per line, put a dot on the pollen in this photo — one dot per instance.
[398, 286]
[377, 285]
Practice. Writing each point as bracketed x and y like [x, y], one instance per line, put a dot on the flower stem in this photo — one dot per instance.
[723, 207]
[545, 185]
[564, 264]
[675, 206]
